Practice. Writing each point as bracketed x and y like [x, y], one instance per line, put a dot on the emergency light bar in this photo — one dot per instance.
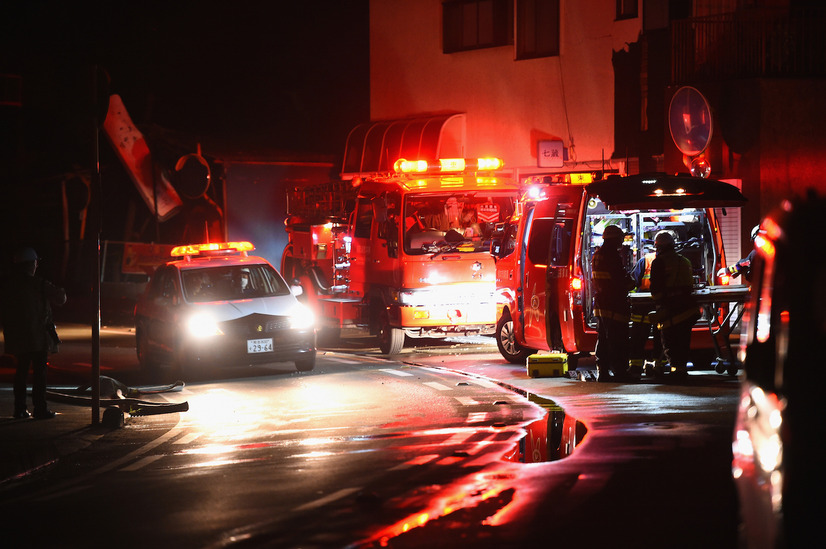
[211, 248]
[573, 178]
[448, 165]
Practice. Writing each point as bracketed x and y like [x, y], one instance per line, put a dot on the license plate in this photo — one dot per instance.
[259, 345]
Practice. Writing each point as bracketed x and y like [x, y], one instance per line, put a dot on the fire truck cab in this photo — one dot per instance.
[401, 254]
[543, 256]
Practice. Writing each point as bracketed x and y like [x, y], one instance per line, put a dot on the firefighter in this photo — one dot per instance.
[677, 311]
[744, 265]
[611, 286]
[642, 322]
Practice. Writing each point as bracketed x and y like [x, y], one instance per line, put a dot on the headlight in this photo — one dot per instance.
[203, 325]
[302, 318]
[453, 294]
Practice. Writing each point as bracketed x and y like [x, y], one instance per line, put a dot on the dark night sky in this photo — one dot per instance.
[287, 75]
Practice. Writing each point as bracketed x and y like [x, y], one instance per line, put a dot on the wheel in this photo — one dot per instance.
[305, 364]
[391, 340]
[505, 340]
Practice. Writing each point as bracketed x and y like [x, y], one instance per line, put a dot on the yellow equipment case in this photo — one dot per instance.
[551, 365]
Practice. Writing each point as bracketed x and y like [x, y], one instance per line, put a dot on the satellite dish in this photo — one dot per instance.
[689, 120]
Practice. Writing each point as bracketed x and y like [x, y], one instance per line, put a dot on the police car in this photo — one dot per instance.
[216, 305]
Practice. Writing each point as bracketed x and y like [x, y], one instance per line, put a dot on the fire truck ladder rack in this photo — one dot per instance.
[322, 201]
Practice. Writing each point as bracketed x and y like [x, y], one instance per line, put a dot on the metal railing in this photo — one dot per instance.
[760, 43]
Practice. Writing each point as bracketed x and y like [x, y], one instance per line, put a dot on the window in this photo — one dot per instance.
[626, 9]
[364, 217]
[537, 32]
[475, 24]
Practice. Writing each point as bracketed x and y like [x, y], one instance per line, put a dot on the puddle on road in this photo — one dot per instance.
[549, 438]
[485, 500]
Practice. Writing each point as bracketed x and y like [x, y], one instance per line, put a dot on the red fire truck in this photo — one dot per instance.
[401, 254]
[543, 254]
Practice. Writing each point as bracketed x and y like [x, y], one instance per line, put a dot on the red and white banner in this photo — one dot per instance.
[131, 148]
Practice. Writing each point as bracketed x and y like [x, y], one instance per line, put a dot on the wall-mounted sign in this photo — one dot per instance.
[550, 154]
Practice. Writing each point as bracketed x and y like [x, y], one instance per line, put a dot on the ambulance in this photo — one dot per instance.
[544, 251]
[403, 254]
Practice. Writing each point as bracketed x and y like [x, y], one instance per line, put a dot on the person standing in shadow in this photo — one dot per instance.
[28, 329]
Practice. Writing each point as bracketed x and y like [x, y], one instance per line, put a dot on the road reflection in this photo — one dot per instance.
[485, 499]
[549, 438]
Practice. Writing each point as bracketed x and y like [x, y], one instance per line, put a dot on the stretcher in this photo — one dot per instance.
[711, 299]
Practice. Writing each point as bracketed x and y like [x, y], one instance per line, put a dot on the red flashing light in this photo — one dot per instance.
[576, 283]
[448, 165]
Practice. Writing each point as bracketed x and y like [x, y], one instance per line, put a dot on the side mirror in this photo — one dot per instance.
[297, 290]
[496, 247]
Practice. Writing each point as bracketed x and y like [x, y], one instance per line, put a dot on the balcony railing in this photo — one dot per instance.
[750, 44]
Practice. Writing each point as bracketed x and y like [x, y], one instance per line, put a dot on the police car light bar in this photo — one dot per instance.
[448, 165]
[211, 248]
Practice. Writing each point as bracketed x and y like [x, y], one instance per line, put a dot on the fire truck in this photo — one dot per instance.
[401, 254]
[543, 258]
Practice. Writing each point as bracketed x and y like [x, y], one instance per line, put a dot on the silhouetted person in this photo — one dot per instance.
[611, 286]
[28, 328]
[671, 285]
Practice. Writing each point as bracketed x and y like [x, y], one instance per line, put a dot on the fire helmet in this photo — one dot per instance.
[25, 255]
[664, 241]
[613, 233]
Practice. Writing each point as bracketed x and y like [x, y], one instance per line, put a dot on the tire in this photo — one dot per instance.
[391, 340]
[506, 342]
[305, 364]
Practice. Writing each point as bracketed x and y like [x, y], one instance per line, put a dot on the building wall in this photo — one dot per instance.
[510, 104]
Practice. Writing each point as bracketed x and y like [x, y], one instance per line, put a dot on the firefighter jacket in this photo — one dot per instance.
[642, 278]
[671, 286]
[611, 284]
[25, 311]
[642, 272]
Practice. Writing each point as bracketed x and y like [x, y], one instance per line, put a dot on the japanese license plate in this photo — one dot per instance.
[259, 345]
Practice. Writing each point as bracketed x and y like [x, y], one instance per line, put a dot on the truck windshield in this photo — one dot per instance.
[455, 222]
[227, 283]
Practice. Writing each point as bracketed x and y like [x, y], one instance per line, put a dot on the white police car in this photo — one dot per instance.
[216, 305]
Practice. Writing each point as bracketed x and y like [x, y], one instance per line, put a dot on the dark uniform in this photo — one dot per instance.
[611, 286]
[744, 265]
[677, 311]
[642, 322]
[26, 314]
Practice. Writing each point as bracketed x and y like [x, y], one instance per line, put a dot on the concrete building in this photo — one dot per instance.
[563, 86]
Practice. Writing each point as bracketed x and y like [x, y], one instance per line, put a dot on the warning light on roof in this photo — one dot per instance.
[212, 248]
[448, 165]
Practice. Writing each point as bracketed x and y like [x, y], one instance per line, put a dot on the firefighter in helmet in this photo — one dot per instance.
[744, 265]
[611, 286]
[671, 285]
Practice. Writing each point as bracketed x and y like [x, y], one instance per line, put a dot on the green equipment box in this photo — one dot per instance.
[552, 365]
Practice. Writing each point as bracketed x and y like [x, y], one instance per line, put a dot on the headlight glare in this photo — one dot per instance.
[203, 325]
[302, 318]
